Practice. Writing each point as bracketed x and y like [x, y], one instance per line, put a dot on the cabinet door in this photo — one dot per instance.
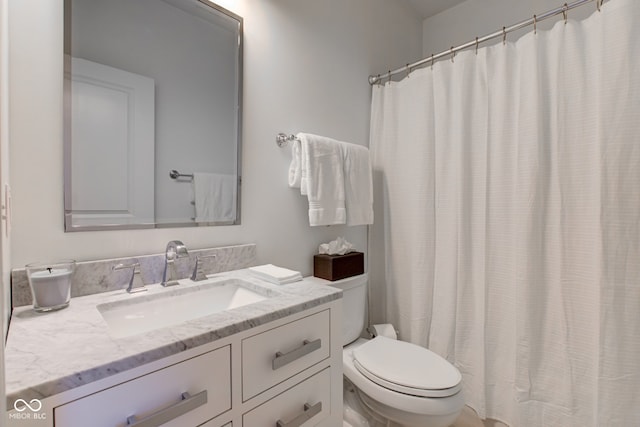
[277, 354]
[157, 398]
[305, 404]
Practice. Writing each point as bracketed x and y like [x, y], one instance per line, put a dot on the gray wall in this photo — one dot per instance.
[306, 68]
[476, 18]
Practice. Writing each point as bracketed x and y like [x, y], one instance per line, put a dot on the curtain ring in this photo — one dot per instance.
[535, 24]
[408, 70]
[432, 61]
[378, 81]
[504, 35]
[453, 54]
[564, 12]
[476, 45]
[389, 74]
[599, 4]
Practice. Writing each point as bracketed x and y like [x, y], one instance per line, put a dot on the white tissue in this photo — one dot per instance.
[336, 247]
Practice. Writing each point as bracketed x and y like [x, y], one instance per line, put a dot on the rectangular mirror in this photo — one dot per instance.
[153, 114]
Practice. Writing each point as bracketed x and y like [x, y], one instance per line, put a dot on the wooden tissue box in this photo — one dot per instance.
[336, 267]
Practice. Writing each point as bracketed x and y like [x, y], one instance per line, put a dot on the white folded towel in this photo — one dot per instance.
[358, 186]
[214, 197]
[275, 274]
[322, 179]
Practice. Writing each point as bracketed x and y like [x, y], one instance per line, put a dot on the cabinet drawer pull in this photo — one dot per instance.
[309, 412]
[188, 403]
[307, 347]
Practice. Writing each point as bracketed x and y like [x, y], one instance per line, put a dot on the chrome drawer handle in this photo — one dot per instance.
[307, 347]
[309, 412]
[188, 403]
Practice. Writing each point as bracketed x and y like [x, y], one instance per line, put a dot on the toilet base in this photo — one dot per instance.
[405, 419]
[362, 411]
[355, 412]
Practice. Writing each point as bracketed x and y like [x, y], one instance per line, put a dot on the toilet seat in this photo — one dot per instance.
[406, 368]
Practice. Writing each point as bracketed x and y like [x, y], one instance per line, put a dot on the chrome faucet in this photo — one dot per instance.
[136, 284]
[175, 249]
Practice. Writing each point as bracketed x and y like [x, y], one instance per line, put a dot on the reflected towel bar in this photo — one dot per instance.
[174, 174]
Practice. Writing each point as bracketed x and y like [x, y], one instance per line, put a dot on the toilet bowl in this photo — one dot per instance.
[401, 382]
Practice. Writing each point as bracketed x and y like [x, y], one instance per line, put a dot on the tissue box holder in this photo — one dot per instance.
[336, 267]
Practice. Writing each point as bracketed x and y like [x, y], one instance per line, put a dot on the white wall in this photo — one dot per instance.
[4, 140]
[476, 18]
[306, 67]
[5, 259]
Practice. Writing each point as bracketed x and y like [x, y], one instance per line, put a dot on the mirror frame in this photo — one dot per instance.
[68, 213]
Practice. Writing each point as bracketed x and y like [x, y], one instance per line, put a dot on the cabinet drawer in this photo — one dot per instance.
[207, 379]
[214, 423]
[277, 354]
[305, 404]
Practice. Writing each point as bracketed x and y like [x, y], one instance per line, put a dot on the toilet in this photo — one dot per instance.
[396, 383]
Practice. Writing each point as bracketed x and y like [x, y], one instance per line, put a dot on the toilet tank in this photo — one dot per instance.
[354, 303]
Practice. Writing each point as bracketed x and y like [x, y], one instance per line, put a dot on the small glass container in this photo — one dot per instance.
[50, 284]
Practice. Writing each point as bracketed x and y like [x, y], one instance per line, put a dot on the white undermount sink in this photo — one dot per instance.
[178, 304]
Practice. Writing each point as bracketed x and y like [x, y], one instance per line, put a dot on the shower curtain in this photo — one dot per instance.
[510, 181]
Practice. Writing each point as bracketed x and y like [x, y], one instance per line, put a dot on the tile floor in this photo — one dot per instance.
[468, 418]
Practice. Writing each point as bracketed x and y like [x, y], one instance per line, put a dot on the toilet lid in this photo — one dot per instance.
[406, 368]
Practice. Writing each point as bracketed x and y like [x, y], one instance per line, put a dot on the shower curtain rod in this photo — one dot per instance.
[500, 33]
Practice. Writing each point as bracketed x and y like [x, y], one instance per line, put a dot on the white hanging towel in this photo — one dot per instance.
[322, 179]
[336, 178]
[295, 168]
[214, 197]
[358, 186]
[298, 165]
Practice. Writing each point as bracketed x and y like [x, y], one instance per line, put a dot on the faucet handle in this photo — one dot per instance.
[198, 274]
[136, 284]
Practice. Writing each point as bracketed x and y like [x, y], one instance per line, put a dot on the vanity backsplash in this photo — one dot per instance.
[92, 277]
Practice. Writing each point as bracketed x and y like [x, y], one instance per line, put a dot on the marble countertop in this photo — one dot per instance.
[49, 353]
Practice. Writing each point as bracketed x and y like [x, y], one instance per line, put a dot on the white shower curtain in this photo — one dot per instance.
[511, 188]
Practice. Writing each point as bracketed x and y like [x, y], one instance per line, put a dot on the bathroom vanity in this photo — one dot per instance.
[274, 362]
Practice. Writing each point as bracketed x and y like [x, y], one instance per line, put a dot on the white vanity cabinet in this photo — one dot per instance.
[272, 356]
[187, 393]
[284, 373]
[306, 402]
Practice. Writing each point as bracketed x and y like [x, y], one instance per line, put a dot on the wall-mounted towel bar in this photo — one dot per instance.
[283, 139]
[174, 174]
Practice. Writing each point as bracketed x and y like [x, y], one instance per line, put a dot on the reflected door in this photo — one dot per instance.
[113, 145]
